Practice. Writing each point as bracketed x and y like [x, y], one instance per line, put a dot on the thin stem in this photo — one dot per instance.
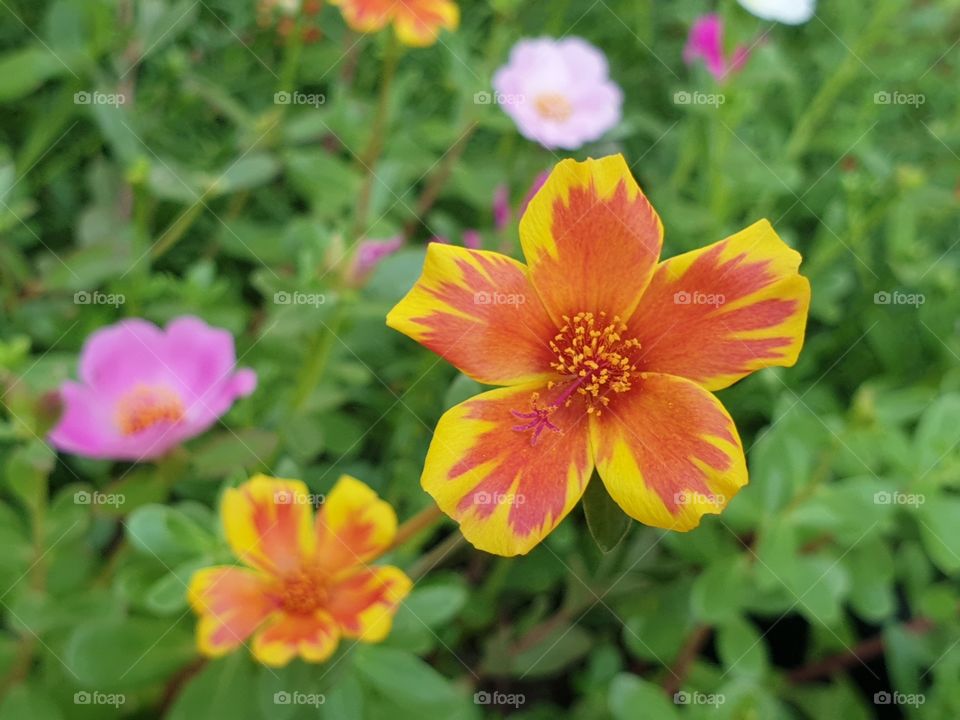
[845, 73]
[417, 524]
[371, 155]
[440, 177]
[317, 356]
[171, 236]
[291, 58]
[688, 653]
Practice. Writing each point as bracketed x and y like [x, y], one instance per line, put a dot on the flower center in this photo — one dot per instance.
[553, 106]
[302, 594]
[593, 360]
[146, 406]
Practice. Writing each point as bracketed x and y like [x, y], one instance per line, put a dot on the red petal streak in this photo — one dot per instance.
[717, 314]
[668, 452]
[478, 311]
[508, 484]
[591, 239]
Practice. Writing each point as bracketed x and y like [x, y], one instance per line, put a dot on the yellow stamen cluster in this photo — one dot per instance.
[145, 406]
[591, 351]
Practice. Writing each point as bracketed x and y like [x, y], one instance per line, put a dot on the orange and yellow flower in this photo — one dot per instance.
[306, 582]
[416, 22]
[608, 357]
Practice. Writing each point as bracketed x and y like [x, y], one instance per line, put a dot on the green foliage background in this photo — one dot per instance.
[201, 195]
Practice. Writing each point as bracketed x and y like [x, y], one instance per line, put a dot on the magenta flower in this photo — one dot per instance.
[472, 239]
[369, 254]
[144, 390]
[705, 42]
[558, 92]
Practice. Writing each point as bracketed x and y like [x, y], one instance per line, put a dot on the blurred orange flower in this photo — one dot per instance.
[416, 22]
[307, 582]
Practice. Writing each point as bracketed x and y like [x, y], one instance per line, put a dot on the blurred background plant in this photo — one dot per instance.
[224, 159]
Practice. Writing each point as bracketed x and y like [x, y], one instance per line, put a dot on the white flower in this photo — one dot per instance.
[791, 12]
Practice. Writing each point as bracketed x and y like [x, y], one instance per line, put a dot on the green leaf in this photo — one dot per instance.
[631, 697]
[564, 646]
[424, 610]
[608, 524]
[246, 173]
[462, 388]
[741, 648]
[27, 469]
[936, 435]
[720, 590]
[168, 534]
[939, 519]
[29, 701]
[128, 652]
[225, 688]
[222, 453]
[23, 71]
[405, 679]
[168, 595]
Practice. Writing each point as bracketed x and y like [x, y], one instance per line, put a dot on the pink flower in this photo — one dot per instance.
[705, 42]
[369, 254]
[144, 390]
[558, 92]
[472, 239]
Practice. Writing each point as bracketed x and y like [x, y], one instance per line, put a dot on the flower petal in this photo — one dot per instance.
[479, 312]
[353, 526]
[118, 356]
[313, 637]
[231, 602]
[591, 239]
[366, 16]
[668, 452]
[506, 492]
[418, 22]
[365, 602]
[268, 523]
[202, 358]
[721, 312]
